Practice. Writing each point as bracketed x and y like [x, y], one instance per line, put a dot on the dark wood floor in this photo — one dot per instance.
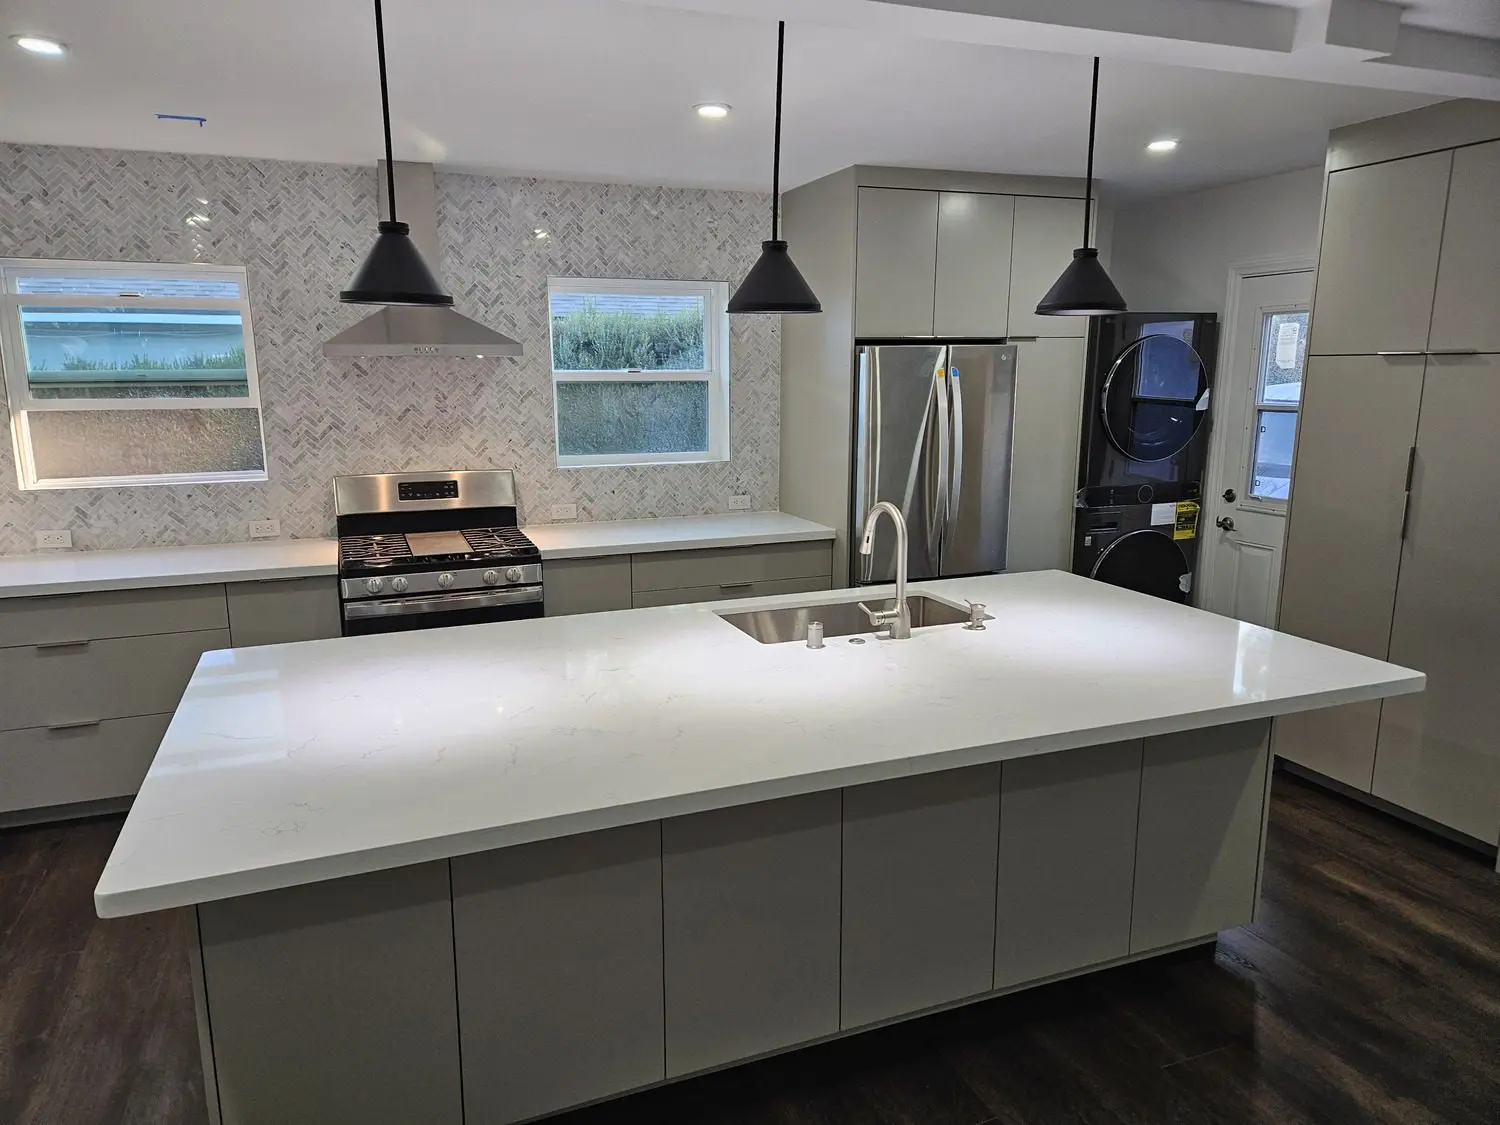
[1369, 991]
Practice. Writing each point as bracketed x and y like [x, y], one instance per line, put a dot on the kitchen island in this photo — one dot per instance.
[487, 873]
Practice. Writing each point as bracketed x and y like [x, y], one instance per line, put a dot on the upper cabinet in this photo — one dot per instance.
[895, 265]
[1047, 231]
[1378, 268]
[1466, 314]
[973, 264]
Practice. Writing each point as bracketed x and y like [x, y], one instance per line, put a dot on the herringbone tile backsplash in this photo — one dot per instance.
[300, 230]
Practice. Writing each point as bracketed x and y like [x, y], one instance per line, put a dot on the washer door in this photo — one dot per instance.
[1147, 562]
[1155, 398]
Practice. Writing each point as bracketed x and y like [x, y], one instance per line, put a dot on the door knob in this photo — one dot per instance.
[1230, 496]
[1224, 523]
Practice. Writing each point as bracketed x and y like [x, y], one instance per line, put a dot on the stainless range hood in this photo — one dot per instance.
[408, 330]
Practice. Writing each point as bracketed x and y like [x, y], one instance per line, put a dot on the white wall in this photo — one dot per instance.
[1174, 254]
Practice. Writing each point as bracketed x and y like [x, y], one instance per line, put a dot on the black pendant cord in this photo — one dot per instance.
[1088, 190]
[776, 160]
[385, 112]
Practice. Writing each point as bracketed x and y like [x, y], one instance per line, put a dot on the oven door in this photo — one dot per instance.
[395, 615]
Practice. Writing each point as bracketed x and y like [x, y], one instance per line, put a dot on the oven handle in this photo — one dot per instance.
[443, 603]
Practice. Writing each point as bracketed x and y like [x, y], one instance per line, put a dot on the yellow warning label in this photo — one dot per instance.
[1187, 520]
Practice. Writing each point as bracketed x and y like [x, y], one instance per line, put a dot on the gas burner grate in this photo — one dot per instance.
[373, 548]
[491, 540]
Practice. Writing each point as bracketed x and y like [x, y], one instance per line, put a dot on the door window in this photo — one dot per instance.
[1278, 395]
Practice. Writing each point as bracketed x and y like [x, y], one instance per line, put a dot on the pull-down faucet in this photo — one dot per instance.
[897, 617]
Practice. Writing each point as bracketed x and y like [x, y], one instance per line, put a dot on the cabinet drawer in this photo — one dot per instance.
[41, 767]
[112, 613]
[686, 596]
[108, 679]
[283, 610]
[676, 570]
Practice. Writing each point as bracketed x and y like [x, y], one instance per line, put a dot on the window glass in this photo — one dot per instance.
[74, 444]
[1283, 353]
[1275, 438]
[1278, 393]
[627, 332]
[599, 419]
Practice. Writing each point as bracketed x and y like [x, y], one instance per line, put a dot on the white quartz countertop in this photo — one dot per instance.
[290, 764]
[680, 533]
[76, 572]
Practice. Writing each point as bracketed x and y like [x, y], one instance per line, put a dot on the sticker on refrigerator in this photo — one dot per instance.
[1186, 525]
[1162, 514]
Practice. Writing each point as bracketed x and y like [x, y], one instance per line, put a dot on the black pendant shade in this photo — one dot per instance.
[1084, 289]
[775, 284]
[393, 272]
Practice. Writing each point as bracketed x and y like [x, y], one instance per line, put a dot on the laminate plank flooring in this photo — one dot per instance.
[1369, 991]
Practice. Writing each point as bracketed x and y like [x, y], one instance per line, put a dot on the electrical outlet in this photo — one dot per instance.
[739, 503]
[565, 511]
[53, 540]
[265, 529]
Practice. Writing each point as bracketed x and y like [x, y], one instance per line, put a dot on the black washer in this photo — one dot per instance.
[1145, 561]
[1149, 548]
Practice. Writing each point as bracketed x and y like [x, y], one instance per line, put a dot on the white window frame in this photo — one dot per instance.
[715, 296]
[18, 388]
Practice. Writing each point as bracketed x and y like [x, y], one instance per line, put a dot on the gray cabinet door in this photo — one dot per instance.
[972, 297]
[1378, 262]
[282, 611]
[919, 892]
[1067, 860]
[751, 913]
[586, 585]
[559, 971]
[1044, 453]
[1439, 752]
[1198, 846]
[1466, 313]
[335, 1001]
[895, 262]
[730, 566]
[1046, 234]
[1343, 539]
[43, 767]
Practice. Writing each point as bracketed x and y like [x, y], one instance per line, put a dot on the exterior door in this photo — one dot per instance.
[1250, 479]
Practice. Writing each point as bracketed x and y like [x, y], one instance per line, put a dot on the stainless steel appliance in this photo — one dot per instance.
[932, 435]
[424, 550]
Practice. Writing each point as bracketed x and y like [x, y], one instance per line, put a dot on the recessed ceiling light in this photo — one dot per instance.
[38, 45]
[1165, 144]
[714, 111]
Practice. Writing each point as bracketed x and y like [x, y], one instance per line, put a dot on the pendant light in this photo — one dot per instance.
[1084, 289]
[393, 272]
[774, 284]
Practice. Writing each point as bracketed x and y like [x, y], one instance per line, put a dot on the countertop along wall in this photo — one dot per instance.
[1174, 254]
[300, 230]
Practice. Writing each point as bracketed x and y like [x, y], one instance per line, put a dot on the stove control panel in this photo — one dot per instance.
[427, 490]
[441, 581]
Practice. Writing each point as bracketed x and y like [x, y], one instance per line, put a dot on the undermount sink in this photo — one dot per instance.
[840, 619]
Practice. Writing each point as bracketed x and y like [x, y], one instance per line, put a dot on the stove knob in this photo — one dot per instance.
[514, 574]
[491, 577]
[399, 585]
[445, 580]
[374, 585]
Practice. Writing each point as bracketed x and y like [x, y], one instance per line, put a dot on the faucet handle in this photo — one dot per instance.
[976, 615]
[877, 616]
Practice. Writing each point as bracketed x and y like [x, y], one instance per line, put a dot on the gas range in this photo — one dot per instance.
[421, 550]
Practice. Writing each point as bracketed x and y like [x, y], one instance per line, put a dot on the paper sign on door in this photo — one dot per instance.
[1163, 514]
[1288, 336]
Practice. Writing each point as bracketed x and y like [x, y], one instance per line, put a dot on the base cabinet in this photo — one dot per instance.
[1338, 742]
[559, 953]
[283, 610]
[750, 910]
[1067, 861]
[1198, 845]
[918, 892]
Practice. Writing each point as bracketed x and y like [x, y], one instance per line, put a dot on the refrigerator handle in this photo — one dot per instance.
[956, 488]
[937, 511]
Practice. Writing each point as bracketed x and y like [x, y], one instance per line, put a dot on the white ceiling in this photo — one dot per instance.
[602, 89]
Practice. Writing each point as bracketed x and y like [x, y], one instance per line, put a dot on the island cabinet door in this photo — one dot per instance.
[1198, 851]
[1067, 860]
[334, 1001]
[919, 892]
[559, 971]
[751, 913]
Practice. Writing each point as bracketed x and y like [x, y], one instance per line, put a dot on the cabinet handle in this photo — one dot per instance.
[1453, 351]
[1405, 514]
[1399, 355]
[63, 644]
[1022, 339]
[727, 586]
[1411, 466]
[76, 724]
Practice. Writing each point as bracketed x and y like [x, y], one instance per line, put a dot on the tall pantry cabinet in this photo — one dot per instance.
[1392, 537]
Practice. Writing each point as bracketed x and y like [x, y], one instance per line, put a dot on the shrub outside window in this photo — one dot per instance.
[640, 371]
[129, 373]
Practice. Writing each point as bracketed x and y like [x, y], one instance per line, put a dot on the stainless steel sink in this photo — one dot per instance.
[840, 619]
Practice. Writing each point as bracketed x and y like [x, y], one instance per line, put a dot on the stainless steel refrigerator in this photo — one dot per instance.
[932, 434]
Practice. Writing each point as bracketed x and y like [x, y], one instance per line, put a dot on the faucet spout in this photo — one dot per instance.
[897, 617]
